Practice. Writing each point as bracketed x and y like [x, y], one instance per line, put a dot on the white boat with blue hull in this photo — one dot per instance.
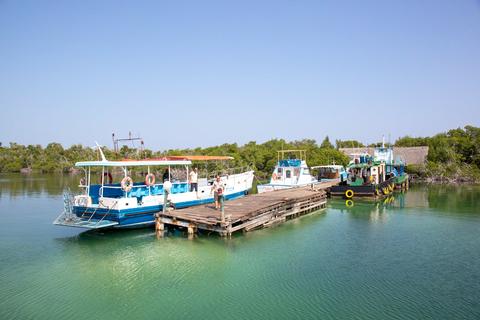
[129, 204]
[289, 172]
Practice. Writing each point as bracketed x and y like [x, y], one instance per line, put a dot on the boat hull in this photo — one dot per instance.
[371, 190]
[401, 182]
[140, 216]
[262, 188]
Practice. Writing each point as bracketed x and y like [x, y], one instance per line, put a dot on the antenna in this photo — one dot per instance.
[101, 152]
[124, 141]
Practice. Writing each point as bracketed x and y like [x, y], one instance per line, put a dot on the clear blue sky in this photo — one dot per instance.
[199, 73]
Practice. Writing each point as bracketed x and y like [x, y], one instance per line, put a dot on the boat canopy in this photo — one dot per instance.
[364, 165]
[290, 163]
[200, 158]
[133, 163]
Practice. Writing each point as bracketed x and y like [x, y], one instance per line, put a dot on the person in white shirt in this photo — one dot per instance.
[217, 188]
[194, 180]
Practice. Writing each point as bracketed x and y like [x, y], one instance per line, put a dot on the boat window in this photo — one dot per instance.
[296, 172]
[288, 174]
[306, 171]
[279, 170]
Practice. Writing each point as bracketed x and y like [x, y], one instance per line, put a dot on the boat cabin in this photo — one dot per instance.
[363, 169]
[291, 171]
[395, 167]
[110, 193]
[331, 172]
[366, 173]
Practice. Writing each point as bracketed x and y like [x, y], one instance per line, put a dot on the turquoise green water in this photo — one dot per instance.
[417, 257]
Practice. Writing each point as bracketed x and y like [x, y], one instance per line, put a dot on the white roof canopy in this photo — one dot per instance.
[133, 163]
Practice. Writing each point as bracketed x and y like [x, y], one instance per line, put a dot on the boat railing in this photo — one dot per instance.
[229, 171]
[68, 202]
[139, 186]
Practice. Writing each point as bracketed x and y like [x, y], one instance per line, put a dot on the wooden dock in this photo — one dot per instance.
[248, 213]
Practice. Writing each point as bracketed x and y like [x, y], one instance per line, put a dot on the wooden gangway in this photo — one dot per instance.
[248, 213]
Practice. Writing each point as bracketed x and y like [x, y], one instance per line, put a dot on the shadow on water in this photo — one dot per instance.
[102, 240]
[134, 237]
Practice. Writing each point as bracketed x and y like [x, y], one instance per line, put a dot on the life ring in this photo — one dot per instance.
[106, 174]
[349, 203]
[274, 176]
[126, 184]
[349, 193]
[150, 179]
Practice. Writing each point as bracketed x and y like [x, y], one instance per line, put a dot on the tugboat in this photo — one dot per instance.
[367, 177]
[291, 171]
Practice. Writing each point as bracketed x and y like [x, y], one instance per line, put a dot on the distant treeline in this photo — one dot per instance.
[261, 157]
[452, 156]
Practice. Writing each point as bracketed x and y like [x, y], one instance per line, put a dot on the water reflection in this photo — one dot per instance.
[364, 209]
[454, 199]
[21, 185]
[444, 199]
[377, 209]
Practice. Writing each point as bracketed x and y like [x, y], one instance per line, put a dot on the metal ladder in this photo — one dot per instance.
[68, 218]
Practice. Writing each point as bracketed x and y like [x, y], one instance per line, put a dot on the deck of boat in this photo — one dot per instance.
[250, 212]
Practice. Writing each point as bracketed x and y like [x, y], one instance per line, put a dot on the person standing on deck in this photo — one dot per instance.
[194, 180]
[166, 175]
[217, 188]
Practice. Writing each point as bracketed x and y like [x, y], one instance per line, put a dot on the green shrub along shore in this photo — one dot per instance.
[453, 156]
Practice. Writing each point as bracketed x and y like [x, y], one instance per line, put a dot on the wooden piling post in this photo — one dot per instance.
[159, 226]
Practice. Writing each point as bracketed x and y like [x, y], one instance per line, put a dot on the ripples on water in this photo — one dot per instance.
[416, 256]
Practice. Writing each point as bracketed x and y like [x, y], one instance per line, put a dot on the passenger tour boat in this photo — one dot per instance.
[126, 203]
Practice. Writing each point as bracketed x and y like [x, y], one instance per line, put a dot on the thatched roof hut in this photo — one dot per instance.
[411, 155]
